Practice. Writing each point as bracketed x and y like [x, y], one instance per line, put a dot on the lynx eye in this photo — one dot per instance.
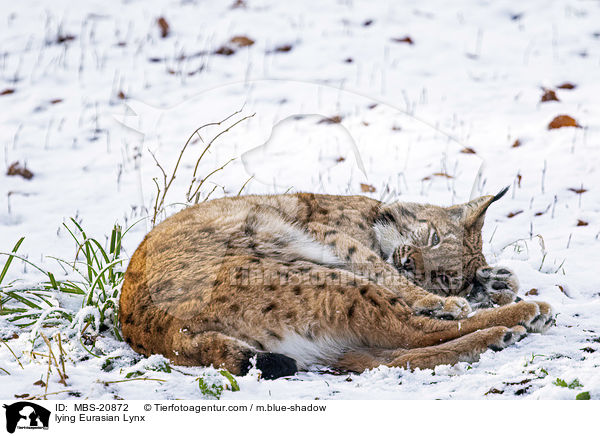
[435, 239]
[444, 280]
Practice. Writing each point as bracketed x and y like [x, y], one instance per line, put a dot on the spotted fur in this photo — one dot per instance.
[287, 281]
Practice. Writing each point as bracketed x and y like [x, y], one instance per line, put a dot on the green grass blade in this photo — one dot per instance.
[10, 258]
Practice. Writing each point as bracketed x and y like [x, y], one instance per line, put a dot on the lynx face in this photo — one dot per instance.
[436, 248]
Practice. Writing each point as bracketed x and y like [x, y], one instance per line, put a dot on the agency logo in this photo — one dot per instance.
[26, 415]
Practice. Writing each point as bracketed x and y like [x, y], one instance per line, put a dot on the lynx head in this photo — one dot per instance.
[437, 248]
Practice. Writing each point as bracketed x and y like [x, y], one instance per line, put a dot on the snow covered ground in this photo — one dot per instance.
[391, 99]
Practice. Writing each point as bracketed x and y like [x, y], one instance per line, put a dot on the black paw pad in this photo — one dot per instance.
[495, 347]
[507, 337]
[273, 365]
[499, 285]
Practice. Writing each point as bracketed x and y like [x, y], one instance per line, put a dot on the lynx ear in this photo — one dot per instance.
[471, 214]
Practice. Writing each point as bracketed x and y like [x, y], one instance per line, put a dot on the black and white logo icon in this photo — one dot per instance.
[26, 415]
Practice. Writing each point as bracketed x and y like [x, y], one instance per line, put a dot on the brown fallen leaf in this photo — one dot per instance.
[340, 159]
[39, 383]
[367, 188]
[56, 101]
[15, 169]
[64, 38]
[336, 119]
[532, 291]
[549, 95]
[121, 95]
[468, 150]
[283, 48]
[448, 176]
[494, 391]
[578, 190]
[516, 144]
[224, 50]
[563, 121]
[567, 85]
[513, 214]
[241, 41]
[21, 395]
[407, 40]
[581, 223]
[519, 178]
[164, 27]
[7, 91]
[238, 4]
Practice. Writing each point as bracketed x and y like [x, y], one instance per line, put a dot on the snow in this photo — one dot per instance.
[472, 78]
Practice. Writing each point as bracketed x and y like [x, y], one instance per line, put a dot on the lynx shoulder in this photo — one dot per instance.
[287, 281]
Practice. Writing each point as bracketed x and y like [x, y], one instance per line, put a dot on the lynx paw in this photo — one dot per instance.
[542, 320]
[494, 285]
[443, 308]
[507, 337]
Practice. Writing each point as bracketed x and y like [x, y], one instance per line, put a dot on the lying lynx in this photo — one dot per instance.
[287, 281]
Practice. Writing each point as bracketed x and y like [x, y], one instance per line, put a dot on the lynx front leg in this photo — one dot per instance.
[493, 285]
[365, 262]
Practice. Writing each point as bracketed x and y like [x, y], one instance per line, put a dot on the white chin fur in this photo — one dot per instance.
[389, 239]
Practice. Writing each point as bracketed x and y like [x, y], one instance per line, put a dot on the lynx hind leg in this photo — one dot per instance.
[221, 351]
[464, 349]
[494, 285]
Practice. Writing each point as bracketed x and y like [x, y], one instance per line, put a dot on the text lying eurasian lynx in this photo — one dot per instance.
[286, 281]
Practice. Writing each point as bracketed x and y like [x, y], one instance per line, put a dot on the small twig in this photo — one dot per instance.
[196, 191]
[63, 377]
[62, 354]
[168, 181]
[37, 397]
[132, 379]
[210, 193]
[206, 149]
[244, 185]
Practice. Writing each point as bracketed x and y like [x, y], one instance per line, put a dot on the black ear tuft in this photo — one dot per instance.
[500, 194]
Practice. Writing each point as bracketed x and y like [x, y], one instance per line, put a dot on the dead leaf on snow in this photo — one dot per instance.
[164, 27]
[15, 169]
[241, 41]
[406, 40]
[367, 188]
[578, 190]
[549, 95]
[567, 85]
[563, 121]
